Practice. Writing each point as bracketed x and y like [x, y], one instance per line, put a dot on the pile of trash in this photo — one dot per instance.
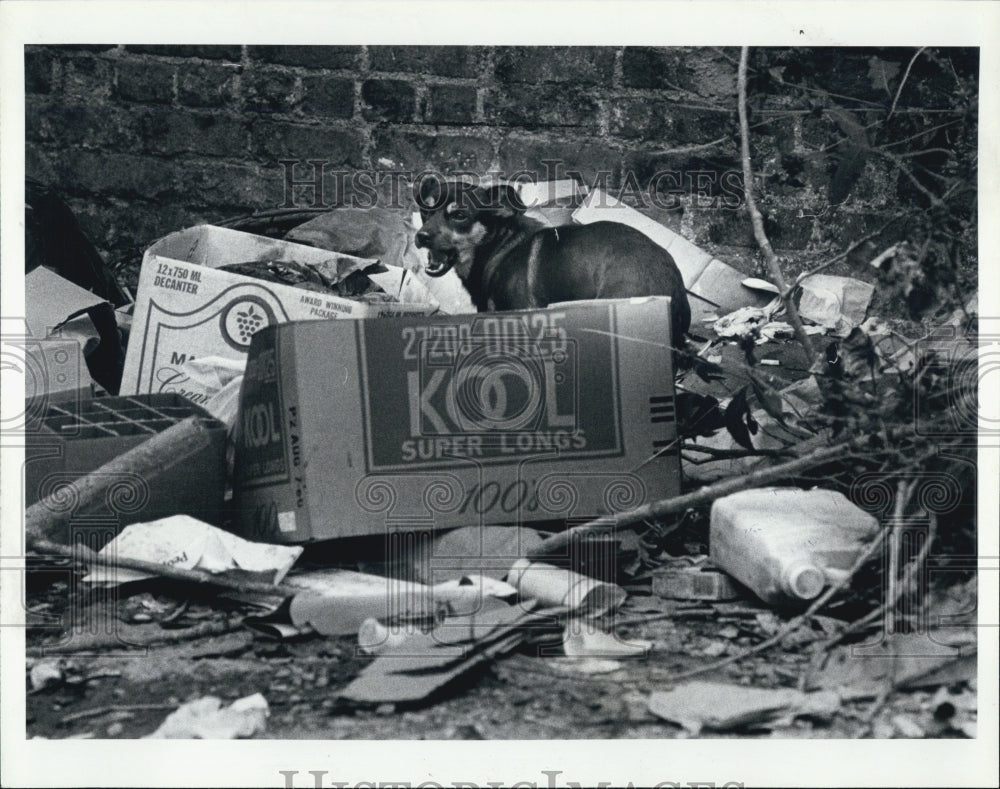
[281, 402]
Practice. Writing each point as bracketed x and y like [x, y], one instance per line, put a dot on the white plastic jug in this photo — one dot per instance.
[787, 544]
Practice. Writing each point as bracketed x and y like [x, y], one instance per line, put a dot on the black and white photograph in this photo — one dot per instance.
[599, 401]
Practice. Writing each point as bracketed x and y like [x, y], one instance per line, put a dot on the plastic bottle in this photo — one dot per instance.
[787, 544]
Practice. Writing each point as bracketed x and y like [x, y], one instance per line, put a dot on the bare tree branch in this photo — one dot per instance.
[773, 267]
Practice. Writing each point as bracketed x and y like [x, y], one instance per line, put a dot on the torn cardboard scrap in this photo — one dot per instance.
[713, 285]
[59, 333]
[424, 663]
[185, 542]
[724, 707]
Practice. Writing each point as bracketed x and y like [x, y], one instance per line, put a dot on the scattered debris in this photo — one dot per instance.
[45, 674]
[474, 550]
[838, 304]
[423, 663]
[207, 719]
[897, 661]
[555, 586]
[583, 641]
[724, 707]
[185, 542]
[691, 578]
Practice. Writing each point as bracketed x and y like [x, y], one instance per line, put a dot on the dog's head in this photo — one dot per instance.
[460, 217]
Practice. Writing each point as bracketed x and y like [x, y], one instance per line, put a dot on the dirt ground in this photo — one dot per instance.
[524, 695]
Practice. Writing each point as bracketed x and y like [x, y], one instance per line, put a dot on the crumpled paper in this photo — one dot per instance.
[835, 303]
[184, 542]
[219, 380]
[207, 719]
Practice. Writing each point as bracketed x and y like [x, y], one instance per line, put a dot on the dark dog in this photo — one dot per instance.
[507, 261]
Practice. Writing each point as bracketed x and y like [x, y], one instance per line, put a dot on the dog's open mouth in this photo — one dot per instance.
[439, 262]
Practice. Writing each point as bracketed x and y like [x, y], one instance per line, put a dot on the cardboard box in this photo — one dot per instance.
[59, 334]
[417, 423]
[66, 440]
[186, 308]
[713, 287]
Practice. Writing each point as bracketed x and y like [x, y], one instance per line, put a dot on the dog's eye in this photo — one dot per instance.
[459, 215]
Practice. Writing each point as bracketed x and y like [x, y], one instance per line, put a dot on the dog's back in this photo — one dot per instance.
[603, 260]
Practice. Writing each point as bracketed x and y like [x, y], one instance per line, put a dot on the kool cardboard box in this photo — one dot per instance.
[186, 308]
[416, 423]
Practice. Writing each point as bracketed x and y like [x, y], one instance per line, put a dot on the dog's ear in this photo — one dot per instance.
[501, 200]
[429, 193]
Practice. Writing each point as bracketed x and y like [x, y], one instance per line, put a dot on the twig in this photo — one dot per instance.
[705, 495]
[109, 708]
[130, 639]
[693, 148]
[902, 82]
[890, 602]
[773, 267]
[898, 162]
[729, 454]
[876, 706]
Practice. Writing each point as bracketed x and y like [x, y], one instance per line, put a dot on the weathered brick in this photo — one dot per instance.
[715, 169]
[728, 228]
[269, 90]
[87, 77]
[339, 186]
[206, 85]
[328, 96]
[37, 71]
[208, 52]
[444, 61]
[316, 57]
[388, 99]
[543, 106]
[83, 47]
[169, 132]
[222, 184]
[654, 67]
[651, 120]
[274, 140]
[581, 65]
[89, 125]
[440, 152]
[450, 104]
[596, 162]
[38, 163]
[121, 175]
[147, 82]
[38, 118]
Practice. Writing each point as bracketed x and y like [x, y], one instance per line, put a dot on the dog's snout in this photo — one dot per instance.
[423, 238]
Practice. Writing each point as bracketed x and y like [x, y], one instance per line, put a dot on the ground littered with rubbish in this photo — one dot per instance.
[522, 696]
[512, 649]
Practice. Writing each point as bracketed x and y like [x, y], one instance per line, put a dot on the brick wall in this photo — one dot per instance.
[144, 140]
